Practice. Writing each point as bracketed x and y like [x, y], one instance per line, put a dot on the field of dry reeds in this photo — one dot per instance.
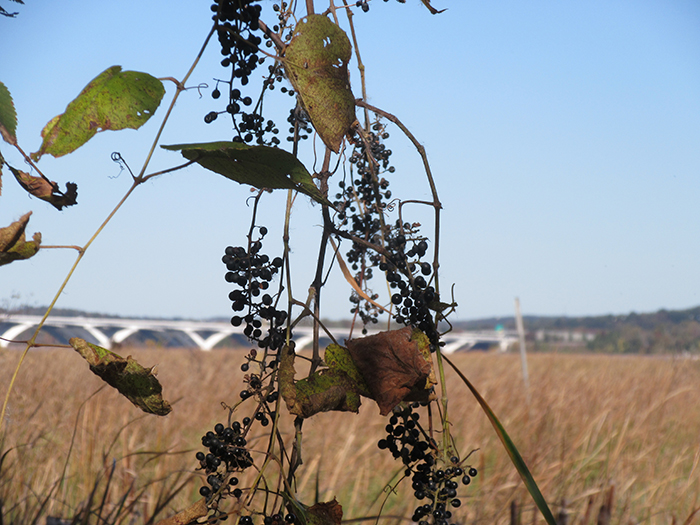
[617, 432]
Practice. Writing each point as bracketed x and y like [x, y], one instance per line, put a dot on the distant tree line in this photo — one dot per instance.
[665, 331]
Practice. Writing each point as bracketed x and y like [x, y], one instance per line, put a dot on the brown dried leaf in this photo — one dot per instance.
[395, 365]
[45, 190]
[187, 516]
[434, 11]
[325, 513]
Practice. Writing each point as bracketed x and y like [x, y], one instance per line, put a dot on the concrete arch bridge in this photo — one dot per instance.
[205, 335]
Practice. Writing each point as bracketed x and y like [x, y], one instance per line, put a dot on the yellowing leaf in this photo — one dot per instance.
[115, 99]
[316, 62]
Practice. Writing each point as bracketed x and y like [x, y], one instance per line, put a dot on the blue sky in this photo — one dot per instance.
[564, 137]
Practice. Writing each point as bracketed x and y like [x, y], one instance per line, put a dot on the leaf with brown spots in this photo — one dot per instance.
[322, 513]
[316, 63]
[395, 365]
[114, 100]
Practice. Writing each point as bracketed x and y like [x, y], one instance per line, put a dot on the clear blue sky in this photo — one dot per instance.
[564, 137]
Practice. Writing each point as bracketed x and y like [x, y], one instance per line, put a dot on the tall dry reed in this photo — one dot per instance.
[594, 422]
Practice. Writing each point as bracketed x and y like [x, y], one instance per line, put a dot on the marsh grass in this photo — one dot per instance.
[626, 429]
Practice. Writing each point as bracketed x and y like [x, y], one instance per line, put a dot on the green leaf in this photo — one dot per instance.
[114, 100]
[511, 449]
[136, 383]
[13, 244]
[259, 166]
[8, 116]
[316, 62]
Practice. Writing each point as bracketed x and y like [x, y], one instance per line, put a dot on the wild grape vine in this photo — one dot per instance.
[362, 212]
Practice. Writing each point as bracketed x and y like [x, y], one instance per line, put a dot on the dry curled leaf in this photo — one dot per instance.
[133, 381]
[190, 515]
[13, 244]
[325, 513]
[45, 190]
[323, 391]
[395, 366]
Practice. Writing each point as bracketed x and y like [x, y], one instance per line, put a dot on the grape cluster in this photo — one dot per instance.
[253, 271]
[237, 22]
[227, 453]
[360, 204]
[408, 276]
[406, 440]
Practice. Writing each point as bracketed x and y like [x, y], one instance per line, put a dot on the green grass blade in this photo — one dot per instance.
[510, 447]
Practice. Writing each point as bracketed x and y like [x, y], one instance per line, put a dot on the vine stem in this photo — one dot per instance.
[318, 279]
[31, 341]
[137, 181]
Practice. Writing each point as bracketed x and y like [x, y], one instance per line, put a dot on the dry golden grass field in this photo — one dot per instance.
[621, 429]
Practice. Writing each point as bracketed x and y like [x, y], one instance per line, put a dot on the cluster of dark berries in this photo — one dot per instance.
[237, 23]
[408, 276]
[253, 271]
[299, 124]
[227, 453]
[277, 519]
[406, 439]
[361, 204]
[440, 488]
[255, 388]
[365, 6]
